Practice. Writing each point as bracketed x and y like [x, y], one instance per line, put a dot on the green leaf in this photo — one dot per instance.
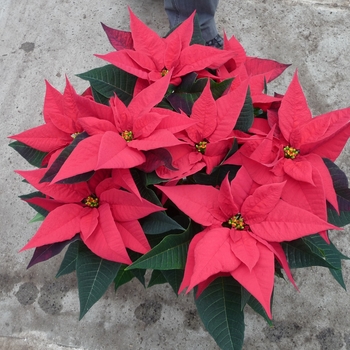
[94, 277]
[219, 307]
[330, 253]
[110, 80]
[341, 187]
[68, 264]
[123, 277]
[324, 250]
[157, 277]
[40, 210]
[157, 223]
[153, 179]
[299, 255]
[99, 98]
[246, 117]
[145, 192]
[169, 254]
[257, 307]
[37, 217]
[217, 175]
[185, 95]
[174, 278]
[197, 33]
[31, 155]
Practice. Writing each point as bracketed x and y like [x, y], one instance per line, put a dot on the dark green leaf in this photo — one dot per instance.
[145, 192]
[328, 252]
[122, 277]
[40, 210]
[110, 80]
[324, 250]
[99, 98]
[153, 179]
[174, 278]
[338, 276]
[157, 223]
[217, 175]
[246, 117]
[94, 277]
[299, 255]
[31, 155]
[157, 277]
[257, 307]
[340, 184]
[184, 100]
[169, 254]
[68, 264]
[219, 307]
[197, 33]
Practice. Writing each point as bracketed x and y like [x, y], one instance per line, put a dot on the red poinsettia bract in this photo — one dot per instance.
[243, 227]
[153, 56]
[105, 215]
[120, 143]
[293, 151]
[62, 113]
[207, 142]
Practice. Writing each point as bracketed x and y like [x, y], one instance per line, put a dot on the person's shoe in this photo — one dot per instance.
[217, 42]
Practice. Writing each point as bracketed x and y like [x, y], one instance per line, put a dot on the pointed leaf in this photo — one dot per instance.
[174, 278]
[299, 255]
[157, 277]
[246, 117]
[219, 307]
[124, 276]
[157, 223]
[36, 194]
[110, 80]
[48, 251]
[329, 253]
[94, 277]
[340, 184]
[258, 308]
[169, 254]
[31, 155]
[37, 217]
[68, 264]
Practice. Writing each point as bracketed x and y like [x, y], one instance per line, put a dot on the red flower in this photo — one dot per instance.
[61, 113]
[153, 56]
[208, 141]
[119, 144]
[105, 216]
[243, 224]
[293, 152]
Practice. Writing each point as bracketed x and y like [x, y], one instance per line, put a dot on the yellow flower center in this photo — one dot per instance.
[164, 72]
[91, 201]
[127, 135]
[201, 146]
[74, 135]
[290, 152]
[237, 222]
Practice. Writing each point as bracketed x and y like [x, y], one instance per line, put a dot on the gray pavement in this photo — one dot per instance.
[41, 39]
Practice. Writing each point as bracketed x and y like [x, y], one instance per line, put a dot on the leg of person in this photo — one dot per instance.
[178, 10]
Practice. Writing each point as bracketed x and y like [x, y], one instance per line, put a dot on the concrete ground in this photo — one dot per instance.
[42, 39]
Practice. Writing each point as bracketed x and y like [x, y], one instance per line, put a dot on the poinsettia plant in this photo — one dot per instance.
[176, 160]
